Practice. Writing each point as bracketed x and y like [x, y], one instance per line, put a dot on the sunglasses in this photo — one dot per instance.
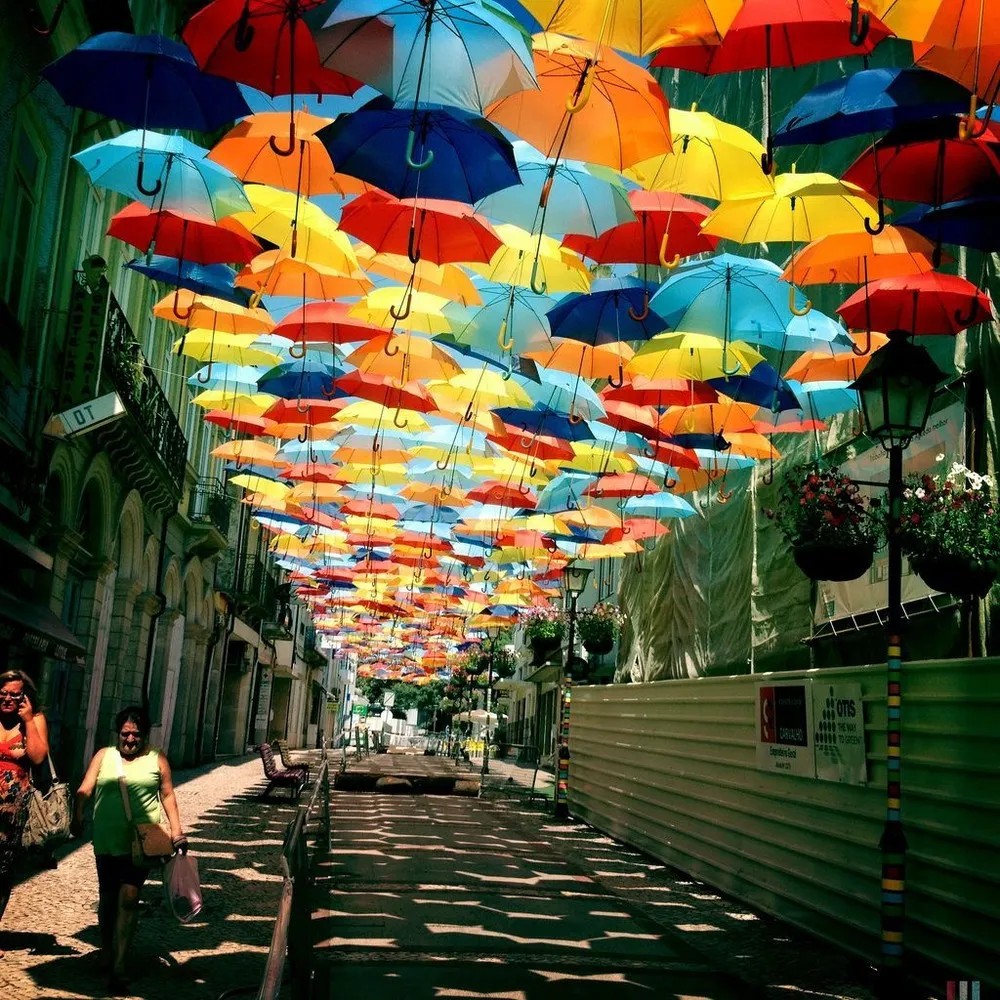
[130, 735]
[7, 696]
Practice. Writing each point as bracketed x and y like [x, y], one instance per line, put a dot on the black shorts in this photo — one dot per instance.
[116, 870]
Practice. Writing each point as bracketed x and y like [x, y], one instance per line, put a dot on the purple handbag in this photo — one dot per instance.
[180, 880]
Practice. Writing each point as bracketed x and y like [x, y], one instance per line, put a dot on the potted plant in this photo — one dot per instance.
[544, 628]
[832, 528]
[949, 531]
[599, 627]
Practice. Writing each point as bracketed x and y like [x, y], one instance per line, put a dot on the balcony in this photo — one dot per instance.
[150, 450]
[209, 511]
[252, 589]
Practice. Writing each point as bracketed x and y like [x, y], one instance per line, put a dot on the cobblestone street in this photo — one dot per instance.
[50, 929]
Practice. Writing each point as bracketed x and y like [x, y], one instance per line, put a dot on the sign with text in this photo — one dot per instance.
[86, 417]
[784, 725]
[839, 734]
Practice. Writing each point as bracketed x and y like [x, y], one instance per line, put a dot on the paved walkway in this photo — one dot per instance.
[447, 897]
[50, 929]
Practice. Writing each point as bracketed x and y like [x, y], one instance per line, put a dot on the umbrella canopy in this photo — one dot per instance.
[968, 223]
[433, 151]
[535, 262]
[478, 54]
[205, 279]
[614, 310]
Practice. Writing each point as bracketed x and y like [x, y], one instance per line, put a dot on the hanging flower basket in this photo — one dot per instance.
[954, 575]
[599, 627]
[826, 561]
[599, 646]
[543, 648]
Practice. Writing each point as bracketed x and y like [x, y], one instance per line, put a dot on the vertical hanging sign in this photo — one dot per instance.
[784, 728]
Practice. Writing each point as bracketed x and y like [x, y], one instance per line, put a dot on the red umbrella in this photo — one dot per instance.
[502, 495]
[667, 226]
[636, 528]
[541, 447]
[307, 412]
[765, 34]
[263, 43]
[660, 392]
[326, 323]
[627, 484]
[442, 232]
[921, 304]
[384, 389]
[630, 417]
[243, 425]
[186, 237]
[371, 508]
[672, 454]
[928, 162]
[306, 472]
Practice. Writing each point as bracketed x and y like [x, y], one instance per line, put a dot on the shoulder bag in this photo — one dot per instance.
[48, 813]
[151, 844]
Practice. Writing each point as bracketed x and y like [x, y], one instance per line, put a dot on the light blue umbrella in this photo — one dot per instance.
[564, 493]
[658, 505]
[580, 199]
[462, 53]
[736, 298]
[242, 378]
[561, 392]
[189, 181]
[825, 399]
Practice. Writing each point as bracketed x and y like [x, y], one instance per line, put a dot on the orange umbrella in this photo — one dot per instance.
[605, 361]
[709, 418]
[445, 280]
[276, 272]
[403, 357]
[824, 366]
[203, 312]
[248, 152]
[605, 110]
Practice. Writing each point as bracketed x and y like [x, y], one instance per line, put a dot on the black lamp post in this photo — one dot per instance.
[897, 390]
[574, 582]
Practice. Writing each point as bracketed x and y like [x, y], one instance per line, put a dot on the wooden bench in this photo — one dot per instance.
[292, 778]
[286, 758]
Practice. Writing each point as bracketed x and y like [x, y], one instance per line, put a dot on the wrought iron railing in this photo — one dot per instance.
[137, 386]
[210, 504]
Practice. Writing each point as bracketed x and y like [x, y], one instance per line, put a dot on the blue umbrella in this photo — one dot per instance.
[614, 310]
[563, 492]
[431, 151]
[305, 379]
[205, 279]
[871, 100]
[561, 392]
[190, 182]
[972, 222]
[825, 399]
[545, 423]
[560, 197]
[658, 505]
[762, 386]
[463, 53]
[147, 81]
[225, 376]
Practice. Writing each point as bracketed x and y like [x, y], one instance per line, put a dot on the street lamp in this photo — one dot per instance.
[897, 391]
[574, 582]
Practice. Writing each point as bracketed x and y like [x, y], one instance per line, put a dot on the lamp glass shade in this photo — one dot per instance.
[575, 579]
[897, 391]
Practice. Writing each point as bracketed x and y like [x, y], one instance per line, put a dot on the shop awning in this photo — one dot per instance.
[37, 628]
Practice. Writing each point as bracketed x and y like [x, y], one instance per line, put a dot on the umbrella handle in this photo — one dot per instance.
[874, 230]
[860, 23]
[638, 317]
[577, 101]
[970, 127]
[255, 298]
[331, 392]
[868, 347]
[410, 162]
[533, 471]
[50, 28]
[508, 371]
[621, 370]
[469, 413]
[293, 351]
[148, 192]
[970, 319]
[574, 417]
[768, 478]
[669, 482]
[244, 30]
[725, 370]
[502, 342]
[535, 287]
[299, 407]
[181, 315]
[669, 265]
[412, 251]
[207, 373]
[400, 314]
[647, 453]
[280, 151]
[303, 435]
[395, 419]
[725, 495]
[808, 306]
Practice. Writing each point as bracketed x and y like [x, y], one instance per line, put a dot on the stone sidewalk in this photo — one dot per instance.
[50, 928]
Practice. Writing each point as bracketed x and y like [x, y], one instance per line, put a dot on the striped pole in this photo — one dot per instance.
[562, 764]
[893, 841]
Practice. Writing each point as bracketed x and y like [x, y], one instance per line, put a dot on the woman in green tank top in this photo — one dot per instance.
[151, 796]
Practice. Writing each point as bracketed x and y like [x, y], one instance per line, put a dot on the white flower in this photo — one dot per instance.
[919, 493]
[939, 458]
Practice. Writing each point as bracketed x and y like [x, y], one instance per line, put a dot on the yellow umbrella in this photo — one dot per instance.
[595, 458]
[404, 309]
[448, 281]
[803, 207]
[537, 262]
[591, 517]
[481, 388]
[316, 493]
[388, 474]
[249, 452]
[710, 159]
[237, 349]
[261, 485]
[296, 224]
[275, 272]
[953, 24]
[239, 404]
[636, 26]
[207, 312]
[613, 550]
[365, 413]
[695, 356]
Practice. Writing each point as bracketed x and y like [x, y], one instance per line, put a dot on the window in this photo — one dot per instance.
[26, 178]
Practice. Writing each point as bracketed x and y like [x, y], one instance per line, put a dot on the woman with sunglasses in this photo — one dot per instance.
[150, 791]
[23, 742]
